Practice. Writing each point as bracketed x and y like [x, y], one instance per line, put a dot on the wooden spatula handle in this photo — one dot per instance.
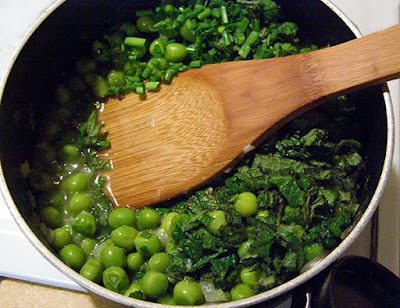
[300, 81]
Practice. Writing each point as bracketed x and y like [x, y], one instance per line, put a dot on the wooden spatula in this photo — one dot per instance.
[193, 129]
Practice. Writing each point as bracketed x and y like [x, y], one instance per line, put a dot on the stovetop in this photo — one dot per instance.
[380, 240]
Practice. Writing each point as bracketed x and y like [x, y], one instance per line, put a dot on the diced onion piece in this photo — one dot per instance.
[246, 149]
[211, 294]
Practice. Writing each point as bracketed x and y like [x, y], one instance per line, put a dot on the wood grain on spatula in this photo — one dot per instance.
[191, 130]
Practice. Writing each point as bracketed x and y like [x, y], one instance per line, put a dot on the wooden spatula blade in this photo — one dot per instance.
[150, 138]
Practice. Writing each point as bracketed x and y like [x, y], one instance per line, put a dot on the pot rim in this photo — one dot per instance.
[263, 297]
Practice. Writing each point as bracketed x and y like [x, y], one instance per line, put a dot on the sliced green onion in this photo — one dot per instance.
[180, 19]
[244, 23]
[139, 90]
[240, 38]
[224, 15]
[169, 75]
[191, 49]
[225, 37]
[252, 38]
[156, 76]
[196, 64]
[147, 73]
[133, 79]
[196, 11]
[152, 85]
[204, 25]
[216, 13]
[256, 25]
[155, 62]
[221, 29]
[203, 15]
[135, 41]
[244, 50]
[212, 52]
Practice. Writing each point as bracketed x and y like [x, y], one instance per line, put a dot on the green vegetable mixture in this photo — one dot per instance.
[248, 231]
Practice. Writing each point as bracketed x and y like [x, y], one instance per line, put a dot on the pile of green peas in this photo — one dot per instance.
[139, 241]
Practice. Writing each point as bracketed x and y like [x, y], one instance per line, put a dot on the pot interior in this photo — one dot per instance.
[66, 35]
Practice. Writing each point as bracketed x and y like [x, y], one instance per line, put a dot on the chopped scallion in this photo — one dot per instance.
[135, 41]
[152, 85]
[224, 15]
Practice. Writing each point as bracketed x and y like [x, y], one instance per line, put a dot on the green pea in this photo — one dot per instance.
[169, 9]
[51, 217]
[246, 204]
[115, 38]
[85, 66]
[85, 224]
[56, 199]
[61, 238]
[113, 256]
[218, 221]
[158, 63]
[63, 94]
[154, 284]
[148, 218]
[116, 279]
[40, 181]
[135, 291]
[69, 153]
[175, 52]
[92, 270]
[45, 152]
[188, 292]
[241, 291]
[147, 243]
[251, 277]
[158, 262]
[122, 217]
[79, 203]
[77, 84]
[99, 86]
[73, 256]
[138, 52]
[156, 46]
[124, 237]
[134, 261]
[313, 250]
[166, 222]
[116, 78]
[188, 34]
[130, 69]
[76, 183]
[88, 245]
[145, 24]
[101, 51]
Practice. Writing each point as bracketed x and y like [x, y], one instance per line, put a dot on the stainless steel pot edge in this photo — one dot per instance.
[336, 253]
